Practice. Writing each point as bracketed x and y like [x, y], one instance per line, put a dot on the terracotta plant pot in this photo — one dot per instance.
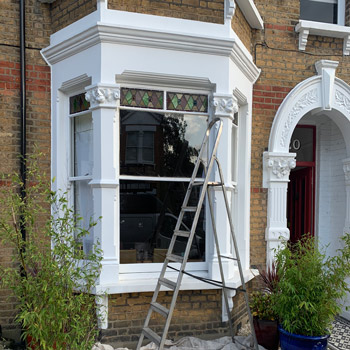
[267, 333]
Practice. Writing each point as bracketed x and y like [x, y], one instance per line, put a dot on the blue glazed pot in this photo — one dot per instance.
[290, 341]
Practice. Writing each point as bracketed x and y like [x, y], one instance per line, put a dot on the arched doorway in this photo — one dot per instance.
[319, 107]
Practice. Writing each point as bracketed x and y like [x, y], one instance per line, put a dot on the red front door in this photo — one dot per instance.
[300, 203]
[301, 192]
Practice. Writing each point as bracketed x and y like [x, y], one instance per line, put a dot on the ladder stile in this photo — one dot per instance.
[180, 261]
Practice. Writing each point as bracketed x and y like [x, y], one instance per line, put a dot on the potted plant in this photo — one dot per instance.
[310, 286]
[264, 315]
[50, 276]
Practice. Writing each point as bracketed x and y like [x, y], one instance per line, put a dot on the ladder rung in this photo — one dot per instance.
[175, 258]
[214, 183]
[182, 233]
[167, 283]
[151, 335]
[192, 209]
[160, 309]
[228, 257]
[199, 183]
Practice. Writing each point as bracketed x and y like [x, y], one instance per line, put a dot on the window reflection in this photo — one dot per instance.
[153, 144]
[319, 10]
[148, 215]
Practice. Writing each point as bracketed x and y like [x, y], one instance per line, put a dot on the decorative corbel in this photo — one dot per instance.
[303, 35]
[230, 8]
[346, 46]
[326, 69]
[225, 105]
[103, 95]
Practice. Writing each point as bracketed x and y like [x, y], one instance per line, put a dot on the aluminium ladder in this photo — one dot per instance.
[171, 257]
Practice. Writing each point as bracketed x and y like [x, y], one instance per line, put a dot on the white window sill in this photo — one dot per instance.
[188, 283]
[306, 28]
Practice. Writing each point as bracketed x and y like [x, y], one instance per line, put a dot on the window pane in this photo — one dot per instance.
[148, 215]
[175, 139]
[148, 139]
[83, 147]
[320, 11]
[147, 154]
[83, 208]
[131, 154]
[132, 139]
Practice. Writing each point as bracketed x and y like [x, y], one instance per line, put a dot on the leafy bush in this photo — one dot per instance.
[261, 305]
[311, 285]
[50, 275]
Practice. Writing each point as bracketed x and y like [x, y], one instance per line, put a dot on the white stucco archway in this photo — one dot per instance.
[322, 92]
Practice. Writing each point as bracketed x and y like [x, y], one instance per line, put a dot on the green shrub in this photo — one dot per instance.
[261, 305]
[50, 275]
[310, 286]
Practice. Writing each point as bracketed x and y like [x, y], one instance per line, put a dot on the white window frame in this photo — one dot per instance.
[341, 10]
[152, 270]
[72, 178]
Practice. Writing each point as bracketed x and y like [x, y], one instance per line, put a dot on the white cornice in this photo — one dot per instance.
[126, 35]
[251, 13]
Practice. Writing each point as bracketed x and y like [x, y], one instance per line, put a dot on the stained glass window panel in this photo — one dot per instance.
[187, 102]
[78, 103]
[141, 98]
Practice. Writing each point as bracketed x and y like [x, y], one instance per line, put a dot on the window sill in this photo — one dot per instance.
[306, 28]
[188, 283]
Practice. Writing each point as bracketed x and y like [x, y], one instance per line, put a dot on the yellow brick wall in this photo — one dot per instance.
[197, 313]
[65, 12]
[242, 28]
[283, 67]
[197, 10]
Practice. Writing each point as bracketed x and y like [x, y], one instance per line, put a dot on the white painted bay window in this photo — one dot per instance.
[160, 136]
[81, 148]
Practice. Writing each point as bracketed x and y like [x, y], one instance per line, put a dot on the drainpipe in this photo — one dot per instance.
[23, 105]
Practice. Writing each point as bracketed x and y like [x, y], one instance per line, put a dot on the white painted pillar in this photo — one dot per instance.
[225, 106]
[346, 167]
[104, 101]
[277, 167]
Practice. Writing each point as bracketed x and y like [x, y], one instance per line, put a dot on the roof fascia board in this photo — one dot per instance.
[251, 13]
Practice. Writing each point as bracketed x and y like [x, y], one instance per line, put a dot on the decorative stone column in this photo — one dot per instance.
[346, 167]
[104, 101]
[224, 107]
[277, 167]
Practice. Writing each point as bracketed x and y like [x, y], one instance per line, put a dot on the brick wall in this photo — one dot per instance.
[38, 28]
[283, 67]
[65, 12]
[197, 10]
[197, 313]
[242, 28]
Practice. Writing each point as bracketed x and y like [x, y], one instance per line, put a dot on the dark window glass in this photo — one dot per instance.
[153, 144]
[148, 215]
[302, 144]
[320, 11]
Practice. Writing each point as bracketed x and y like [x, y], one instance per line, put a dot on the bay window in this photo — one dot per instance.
[160, 137]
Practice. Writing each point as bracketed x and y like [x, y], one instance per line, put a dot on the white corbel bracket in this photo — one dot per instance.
[230, 8]
[103, 95]
[306, 28]
[224, 105]
[326, 69]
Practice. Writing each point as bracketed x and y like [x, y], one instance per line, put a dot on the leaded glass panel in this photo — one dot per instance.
[187, 102]
[78, 103]
[141, 98]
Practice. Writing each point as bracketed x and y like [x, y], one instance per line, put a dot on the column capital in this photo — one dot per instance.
[346, 168]
[103, 95]
[225, 105]
[279, 165]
